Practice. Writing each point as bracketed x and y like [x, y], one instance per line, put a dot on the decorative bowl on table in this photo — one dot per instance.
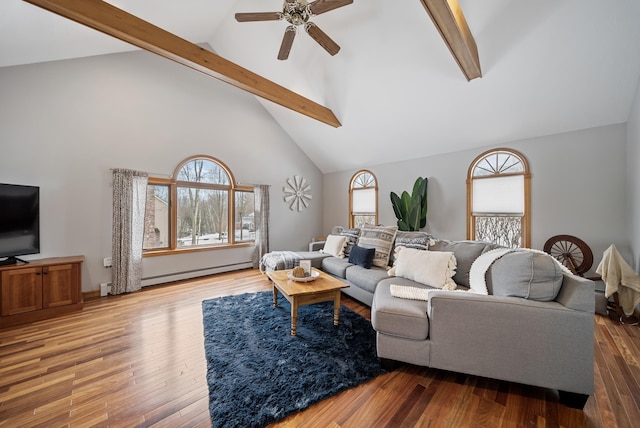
[309, 277]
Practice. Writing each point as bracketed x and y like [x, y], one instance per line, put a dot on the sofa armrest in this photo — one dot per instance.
[536, 343]
[316, 245]
[577, 293]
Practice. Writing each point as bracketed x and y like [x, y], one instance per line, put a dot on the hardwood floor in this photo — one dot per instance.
[138, 360]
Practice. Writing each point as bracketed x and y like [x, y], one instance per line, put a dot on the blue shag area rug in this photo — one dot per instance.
[258, 373]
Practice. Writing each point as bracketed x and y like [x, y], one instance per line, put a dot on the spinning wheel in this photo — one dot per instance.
[572, 252]
[576, 255]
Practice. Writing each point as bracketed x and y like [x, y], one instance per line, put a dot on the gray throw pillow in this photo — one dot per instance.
[525, 274]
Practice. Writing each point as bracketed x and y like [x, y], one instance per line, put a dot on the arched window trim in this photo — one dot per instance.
[226, 169]
[526, 218]
[173, 183]
[352, 188]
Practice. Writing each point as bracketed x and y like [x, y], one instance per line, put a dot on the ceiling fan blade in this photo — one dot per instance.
[258, 16]
[322, 6]
[287, 41]
[321, 37]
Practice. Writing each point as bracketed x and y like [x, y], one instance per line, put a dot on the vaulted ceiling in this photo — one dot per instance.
[548, 66]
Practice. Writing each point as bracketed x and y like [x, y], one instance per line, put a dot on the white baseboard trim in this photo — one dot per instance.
[105, 287]
[194, 273]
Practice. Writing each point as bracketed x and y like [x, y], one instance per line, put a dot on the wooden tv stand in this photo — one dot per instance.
[40, 289]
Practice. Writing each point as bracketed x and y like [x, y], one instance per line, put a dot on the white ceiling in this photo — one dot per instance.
[549, 66]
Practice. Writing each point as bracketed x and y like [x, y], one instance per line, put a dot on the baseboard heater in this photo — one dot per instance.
[105, 287]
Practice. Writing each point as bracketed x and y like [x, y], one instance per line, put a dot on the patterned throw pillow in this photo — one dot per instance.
[415, 240]
[381, 238]
[352, 239]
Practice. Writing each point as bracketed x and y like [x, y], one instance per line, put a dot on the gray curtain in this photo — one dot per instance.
[261, 198]
[129, 199]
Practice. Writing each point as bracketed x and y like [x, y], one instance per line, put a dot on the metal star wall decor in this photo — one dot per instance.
[297, 193]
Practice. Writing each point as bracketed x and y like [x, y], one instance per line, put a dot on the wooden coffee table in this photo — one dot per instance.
[322, 289]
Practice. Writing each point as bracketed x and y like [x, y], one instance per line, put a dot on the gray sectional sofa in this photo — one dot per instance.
[534, 325]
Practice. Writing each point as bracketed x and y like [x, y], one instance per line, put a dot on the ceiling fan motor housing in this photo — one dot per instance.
[296, 13]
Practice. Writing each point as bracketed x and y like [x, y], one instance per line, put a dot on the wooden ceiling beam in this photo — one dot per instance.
[450, 22]
[115, 22]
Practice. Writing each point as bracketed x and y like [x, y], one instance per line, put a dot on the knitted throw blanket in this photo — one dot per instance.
[270, 260]
[479, 267]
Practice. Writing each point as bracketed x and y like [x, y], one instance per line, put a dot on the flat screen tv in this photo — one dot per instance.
[19, 222]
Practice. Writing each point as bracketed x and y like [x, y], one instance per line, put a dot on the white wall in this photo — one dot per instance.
[577, 188]
[65, 124]
[633, 178]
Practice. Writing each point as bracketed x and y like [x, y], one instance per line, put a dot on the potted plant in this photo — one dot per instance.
[411, 210]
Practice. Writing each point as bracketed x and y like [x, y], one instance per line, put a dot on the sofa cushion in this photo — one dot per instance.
[352, 236]
[466, 252]
[381, 238]
[367, 279]
[362, 256]
[399, 317]
[527, 274]
[417, 240]
[433, 268]
[334, 246]
[335, 266]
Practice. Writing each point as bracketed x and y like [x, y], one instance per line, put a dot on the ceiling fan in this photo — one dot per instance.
[297, 13]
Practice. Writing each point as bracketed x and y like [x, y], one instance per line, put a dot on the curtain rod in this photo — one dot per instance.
[156, 174]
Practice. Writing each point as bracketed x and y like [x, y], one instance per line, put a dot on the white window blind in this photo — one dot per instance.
[364, 201]
[499, 195]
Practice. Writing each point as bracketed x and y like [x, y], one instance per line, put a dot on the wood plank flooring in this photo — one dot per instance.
[138, 361]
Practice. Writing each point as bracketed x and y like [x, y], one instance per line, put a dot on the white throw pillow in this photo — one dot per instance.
[334, 245]
[433, 268]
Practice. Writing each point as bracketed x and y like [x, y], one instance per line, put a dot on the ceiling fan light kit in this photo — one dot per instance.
[297, 13]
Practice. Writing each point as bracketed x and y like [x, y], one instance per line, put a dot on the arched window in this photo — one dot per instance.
[498, 198]
[363, 199]
[201, 206]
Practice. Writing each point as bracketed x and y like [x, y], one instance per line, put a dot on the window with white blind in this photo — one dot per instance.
[363, 199]
[498, 190]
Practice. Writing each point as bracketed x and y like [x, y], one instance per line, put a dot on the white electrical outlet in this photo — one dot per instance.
[105, 288]
[107, 262]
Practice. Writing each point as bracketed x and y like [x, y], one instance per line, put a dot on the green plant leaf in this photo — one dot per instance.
[406, 203]
[413, 217]
[416, 187]
[395, 203]
[425, 206]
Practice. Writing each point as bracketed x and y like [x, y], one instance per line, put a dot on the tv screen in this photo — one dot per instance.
[19, 220]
